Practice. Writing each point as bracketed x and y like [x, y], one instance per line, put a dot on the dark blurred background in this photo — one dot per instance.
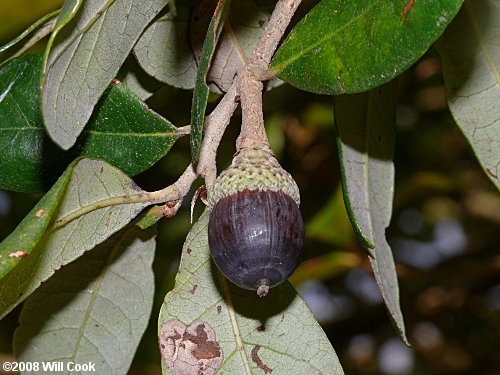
[444, 232]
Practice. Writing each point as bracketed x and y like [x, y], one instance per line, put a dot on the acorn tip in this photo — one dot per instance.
[263, 290]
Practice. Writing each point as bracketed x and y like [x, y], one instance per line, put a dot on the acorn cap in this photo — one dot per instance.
[253, 169]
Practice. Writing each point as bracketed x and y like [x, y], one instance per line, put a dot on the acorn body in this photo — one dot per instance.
[255, 231]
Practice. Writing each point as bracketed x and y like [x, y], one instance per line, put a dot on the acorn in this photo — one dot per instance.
[255, 231]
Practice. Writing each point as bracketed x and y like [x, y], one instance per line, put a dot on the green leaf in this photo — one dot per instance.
[41, 33]
[122, 131]
[67, 12]
[94, 308]
[246, 334]
[151, 217]
[365, 138]
[352, 46]
[164, 50]
[33, 226]
[126, 133]
[82, 221]
[44, 20]
[471, 63]
[83, 59]
[201, 90]
[140, 83]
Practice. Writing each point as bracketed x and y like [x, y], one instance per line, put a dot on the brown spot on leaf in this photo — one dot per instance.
[18, 254]
[282, 318]
[39, 213]
[190, 350]
[407, 8]
[204, 349]
[258, 361]
[219, 309]
[261, 23]
[189, 251]
[491, 173]
[261, 328]
[193, 289]
[115, 81]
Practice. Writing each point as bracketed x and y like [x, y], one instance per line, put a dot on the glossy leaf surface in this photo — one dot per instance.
[352, 46]
[122, 131]
[247, 334]
[366, 136]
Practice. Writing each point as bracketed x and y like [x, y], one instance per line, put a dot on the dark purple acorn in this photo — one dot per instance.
[255, 232]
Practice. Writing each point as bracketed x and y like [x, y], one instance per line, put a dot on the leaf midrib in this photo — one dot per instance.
[234, 324]
[230, 31]
[93, 298]
[477, 33]
[94, 132]
[366, 159]
[89, 24]
[328, 36]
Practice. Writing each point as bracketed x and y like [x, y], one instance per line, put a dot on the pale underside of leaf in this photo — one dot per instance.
[134, 77]
[471, 63]
[95, 308]
[278, 329]
[240, 35]
[365, 128]
[86, 55]
[164, 51]
[90, 182]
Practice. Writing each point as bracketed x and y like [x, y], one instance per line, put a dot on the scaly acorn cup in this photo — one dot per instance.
[255, 232]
